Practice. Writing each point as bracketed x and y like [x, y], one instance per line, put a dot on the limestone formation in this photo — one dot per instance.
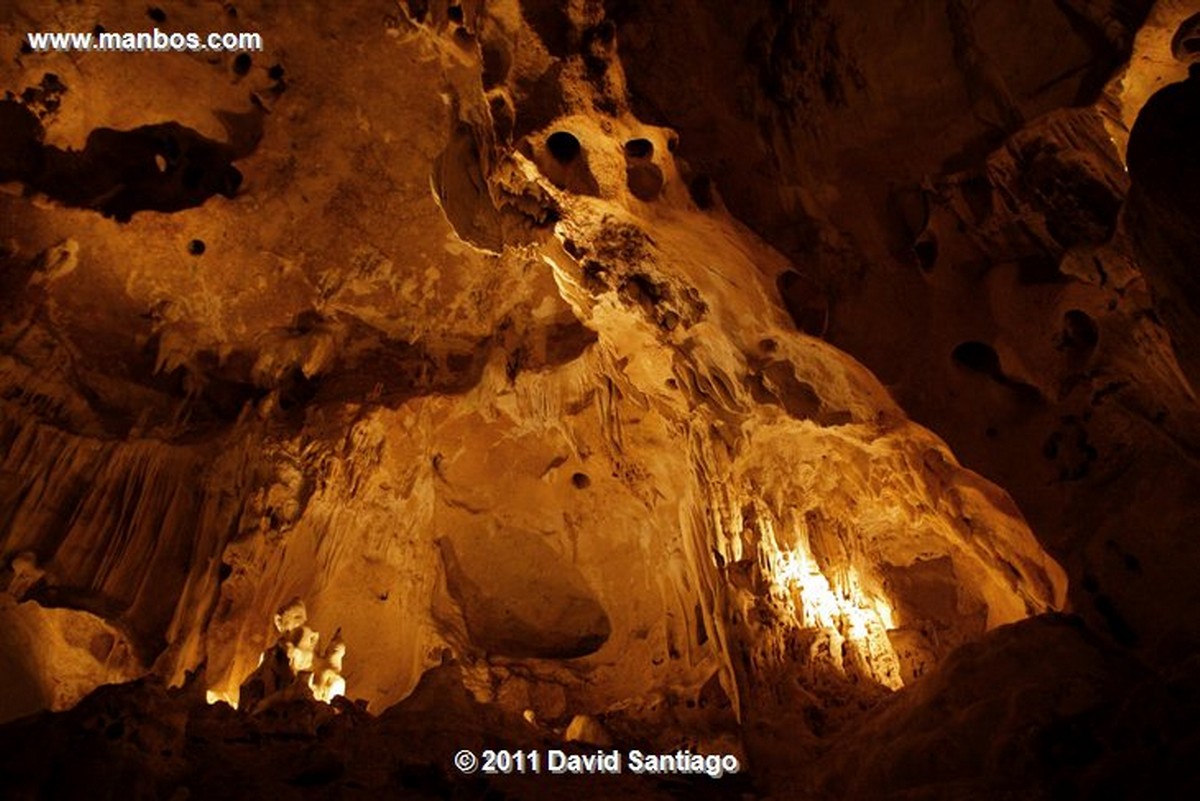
[295, 666]
[772, 379]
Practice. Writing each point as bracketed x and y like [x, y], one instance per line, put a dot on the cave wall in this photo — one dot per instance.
[622, 355]
[555, 362]
[988, 275]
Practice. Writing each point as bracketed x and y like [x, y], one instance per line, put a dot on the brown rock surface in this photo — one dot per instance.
[562, 356]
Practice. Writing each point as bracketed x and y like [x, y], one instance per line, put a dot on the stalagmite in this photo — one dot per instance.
[296, 660]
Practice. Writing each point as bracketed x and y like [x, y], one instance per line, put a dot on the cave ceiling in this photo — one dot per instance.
[806, 381]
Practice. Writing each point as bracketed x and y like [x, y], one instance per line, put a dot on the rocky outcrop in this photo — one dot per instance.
[621, 449]
[989, 275]
[53, 657]
[1079, 719]
[594, 389]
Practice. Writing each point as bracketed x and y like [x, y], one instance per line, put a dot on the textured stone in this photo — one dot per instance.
[597, 362]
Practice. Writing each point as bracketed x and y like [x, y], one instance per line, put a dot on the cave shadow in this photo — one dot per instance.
[1162, 213]
[165, 167]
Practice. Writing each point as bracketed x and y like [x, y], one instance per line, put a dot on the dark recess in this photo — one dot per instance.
[165, 167]
[805, 302]
[242, 63]
[979, 357]
[563, 146]
[639, 148]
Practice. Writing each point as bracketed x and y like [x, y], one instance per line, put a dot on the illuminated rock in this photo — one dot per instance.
[294, 667]
[25, 574]
[608, 455]
[592, 362]
[51, 658]
[586, 729]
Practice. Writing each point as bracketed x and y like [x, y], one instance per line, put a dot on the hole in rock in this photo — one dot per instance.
[563, 146]
[639, 148]
[1080, 331]
[581, 481]
[241, 63]
[645, 181]
[1186, 41]
[196, 247]
[157, 14]
[977, 356]
[163, 167]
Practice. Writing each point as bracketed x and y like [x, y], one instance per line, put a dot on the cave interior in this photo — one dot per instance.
[804, 388]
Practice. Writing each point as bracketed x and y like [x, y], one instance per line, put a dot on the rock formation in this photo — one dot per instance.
[760, 378]
[295, 667]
